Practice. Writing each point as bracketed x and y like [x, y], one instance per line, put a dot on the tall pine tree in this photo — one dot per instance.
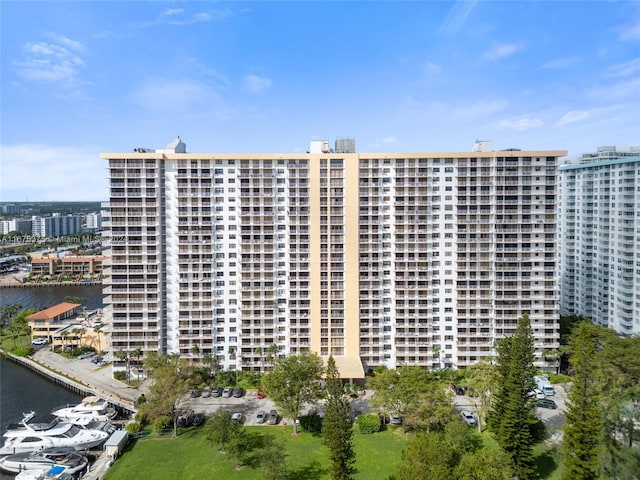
[337, 428]
[512, 412]
[583, 432]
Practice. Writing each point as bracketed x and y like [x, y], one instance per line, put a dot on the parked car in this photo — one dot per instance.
[206, 392]
[84, 355]
[457, 389]
[216, 391]
[237, 417]
[395, 420]
[547, 403]
[468, 418]
[185, 417]
[227, 392]
[39, 341]
[238, 392]
[261, 416]
[537, 394]
[97, 360]
[274, 418]
[195, 393]
[260, 395]
[198, 419]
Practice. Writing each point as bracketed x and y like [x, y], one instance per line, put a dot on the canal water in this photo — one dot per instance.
[22, 390]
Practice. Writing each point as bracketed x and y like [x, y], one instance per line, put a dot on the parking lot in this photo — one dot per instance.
[552, 418]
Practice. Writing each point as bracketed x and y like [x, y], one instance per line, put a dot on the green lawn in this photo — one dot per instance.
[190, 457]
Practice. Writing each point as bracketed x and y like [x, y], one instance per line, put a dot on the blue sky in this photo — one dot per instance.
[81, 78]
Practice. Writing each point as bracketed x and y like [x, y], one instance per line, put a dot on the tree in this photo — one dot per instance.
[337, 428]
[172, 381]
[8, 312]
[583, 432]
[290, 384]
[98, 331]
[123, 356]
[484, 464]
[427, 457]
[411, 393]
[482, 380]
[239, 445]
[512, 413]
[272, 353]
[273, 458]
[434, 408]
[221, 429]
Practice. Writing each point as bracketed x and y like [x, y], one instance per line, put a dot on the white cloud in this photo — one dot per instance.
[521, 124]
[501, 50]
[457, 16]
[172, 11]
[255, 84]
[626, 69]
[559, 63]
[389, 140]
[573, 116]
[46, 172]
[630, 33]
[173, 94]
[432, 68]
[67, 42]
[53, 62]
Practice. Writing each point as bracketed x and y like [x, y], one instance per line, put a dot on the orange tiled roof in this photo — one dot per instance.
[42, 260]
[51, 312]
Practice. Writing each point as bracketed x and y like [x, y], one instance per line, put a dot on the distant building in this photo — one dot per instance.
[67, 265]
[56, 226]
[600, 238]
[46, 322]
[94, 221]
[11, 209]
[20, 225]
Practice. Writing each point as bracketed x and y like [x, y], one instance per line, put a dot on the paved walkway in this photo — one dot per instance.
[99, 379]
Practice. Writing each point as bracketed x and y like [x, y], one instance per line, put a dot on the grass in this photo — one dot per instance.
[190, 456]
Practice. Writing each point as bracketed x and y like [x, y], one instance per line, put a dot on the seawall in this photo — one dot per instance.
[75, 385]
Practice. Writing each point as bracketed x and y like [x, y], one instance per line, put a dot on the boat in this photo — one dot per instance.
[32, 436]
[48, 458]
[91, 408]
[57, 473]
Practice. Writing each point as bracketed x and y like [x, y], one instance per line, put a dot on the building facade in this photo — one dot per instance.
[56, 226]
[378, 259]
[600, 238]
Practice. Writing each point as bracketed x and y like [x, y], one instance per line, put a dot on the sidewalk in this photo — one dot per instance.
[99, 379]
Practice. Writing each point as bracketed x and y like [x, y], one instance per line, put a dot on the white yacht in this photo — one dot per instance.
[30, 436]
[91, 408]
[65, 457]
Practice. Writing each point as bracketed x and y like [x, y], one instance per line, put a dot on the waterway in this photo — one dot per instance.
[22, 390]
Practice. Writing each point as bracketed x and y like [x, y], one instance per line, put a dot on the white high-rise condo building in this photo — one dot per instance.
[600, 238]
[376, 258]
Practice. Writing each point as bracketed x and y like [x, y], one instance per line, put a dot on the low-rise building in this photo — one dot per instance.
[46, 322]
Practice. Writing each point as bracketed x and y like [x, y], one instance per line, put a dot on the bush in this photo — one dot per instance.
[120, 375]
[368, 423]
[311, 423]
[133, 427]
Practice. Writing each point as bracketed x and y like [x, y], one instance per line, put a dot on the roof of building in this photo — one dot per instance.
[52, 312]
[349, 367]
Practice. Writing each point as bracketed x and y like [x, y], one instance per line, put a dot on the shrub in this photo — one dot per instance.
[133, 427]
[311, 423]
[538, 431]
[368, 423]
[120, 375]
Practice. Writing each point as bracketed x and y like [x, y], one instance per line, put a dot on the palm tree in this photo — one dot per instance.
[98, 331]
[123, 355]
